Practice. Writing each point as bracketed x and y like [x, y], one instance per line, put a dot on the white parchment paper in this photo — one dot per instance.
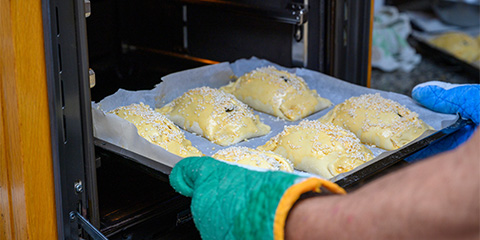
[117, 131]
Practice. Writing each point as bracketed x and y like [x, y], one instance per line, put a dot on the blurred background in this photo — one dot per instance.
[415, 41]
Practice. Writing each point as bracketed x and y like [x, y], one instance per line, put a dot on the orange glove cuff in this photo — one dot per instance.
[291, 196]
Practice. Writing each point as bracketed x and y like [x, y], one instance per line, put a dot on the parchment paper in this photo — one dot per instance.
[113, 129]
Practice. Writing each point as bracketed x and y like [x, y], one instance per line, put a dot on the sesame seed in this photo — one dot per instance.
[218, 116]
[245, 155]
[157, 129]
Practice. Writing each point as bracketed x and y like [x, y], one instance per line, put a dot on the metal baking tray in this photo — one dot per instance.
[422, 39]
[346, 180]
[217, 75]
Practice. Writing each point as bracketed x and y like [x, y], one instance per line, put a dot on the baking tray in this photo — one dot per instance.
[345, 180]
[422, 40]
[220, 74]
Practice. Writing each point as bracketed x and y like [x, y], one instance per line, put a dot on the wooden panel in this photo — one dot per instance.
[6, 63]
[27, 200]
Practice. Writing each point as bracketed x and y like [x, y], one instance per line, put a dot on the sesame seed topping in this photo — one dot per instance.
[324, 139]
[216, 115]
[377, 104]
[156, 128]
[240, 154]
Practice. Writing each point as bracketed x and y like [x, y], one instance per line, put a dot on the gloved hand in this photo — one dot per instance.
[450, 98]
[233, 202]
[463, 99]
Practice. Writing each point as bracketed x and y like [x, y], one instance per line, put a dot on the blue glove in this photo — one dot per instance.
[450, 98]
[463, 99]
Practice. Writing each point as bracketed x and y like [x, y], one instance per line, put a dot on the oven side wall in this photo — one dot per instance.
[27, 202]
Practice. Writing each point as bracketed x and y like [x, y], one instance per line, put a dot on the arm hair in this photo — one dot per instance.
[437, 198]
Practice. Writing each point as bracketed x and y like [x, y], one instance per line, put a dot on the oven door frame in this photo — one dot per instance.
[68, 85]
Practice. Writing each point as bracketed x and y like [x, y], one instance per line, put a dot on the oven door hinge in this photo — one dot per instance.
[299, 12]
[300, 34]
[94, 233]
[91, 78]
[88, 8]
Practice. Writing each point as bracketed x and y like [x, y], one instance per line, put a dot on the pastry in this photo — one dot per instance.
[476, 62]
[279, 93]
[461, 45]
[377, 121]
[319, 148]
[157, 129]
[253, 157]
[215, 115]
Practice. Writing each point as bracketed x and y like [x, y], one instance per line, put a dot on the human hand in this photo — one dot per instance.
[233, 202]
[463, 99]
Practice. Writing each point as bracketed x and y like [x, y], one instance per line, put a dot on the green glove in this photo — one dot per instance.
[232, 202]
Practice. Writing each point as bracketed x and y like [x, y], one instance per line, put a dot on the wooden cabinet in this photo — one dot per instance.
[27, 196]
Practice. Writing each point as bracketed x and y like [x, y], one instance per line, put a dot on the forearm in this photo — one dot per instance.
[437, 198]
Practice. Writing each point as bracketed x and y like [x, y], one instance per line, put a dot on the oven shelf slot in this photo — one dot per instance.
[293, 13]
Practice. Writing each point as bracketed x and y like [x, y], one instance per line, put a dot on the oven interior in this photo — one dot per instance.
[132, 44]
[136, 202]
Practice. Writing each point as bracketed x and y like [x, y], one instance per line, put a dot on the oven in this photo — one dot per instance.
[95, 47]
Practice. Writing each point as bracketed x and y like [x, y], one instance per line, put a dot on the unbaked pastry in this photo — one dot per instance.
[253, 157]
[476, 62]
[279, 93]
[377, 121]
[157, 129]
[319, 148]
[459, 44]
[215, 115]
